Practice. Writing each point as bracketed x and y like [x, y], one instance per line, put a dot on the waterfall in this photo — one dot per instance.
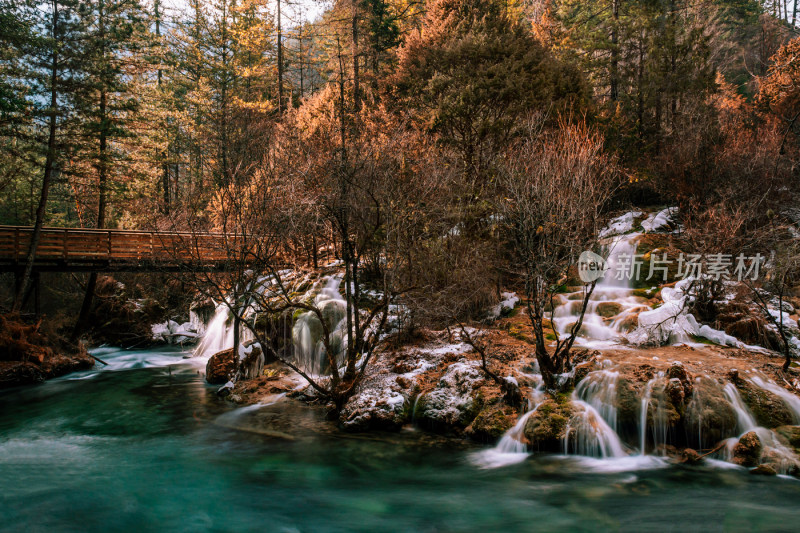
[588, 434]
[599, 390]
[307, 331]
[612, 307]
[218, 334]
[512, 447]
[303, 332]
[746, 423]
[791, 401]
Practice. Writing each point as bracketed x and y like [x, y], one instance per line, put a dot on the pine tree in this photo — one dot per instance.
[114, 39]
[472, 72]
[53, 61]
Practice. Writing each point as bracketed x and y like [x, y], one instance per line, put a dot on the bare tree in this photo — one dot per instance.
[553, 186]
[781, 275]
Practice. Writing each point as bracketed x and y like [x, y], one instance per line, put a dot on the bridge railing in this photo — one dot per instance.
[72, 244]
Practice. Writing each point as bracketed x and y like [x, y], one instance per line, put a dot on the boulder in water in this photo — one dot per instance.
[747, 452]
[689, 457]
[608, 309]
[491, 423]
[629, 323]
[764, 470]
[453, 404]
[546, 427]
[219, 368]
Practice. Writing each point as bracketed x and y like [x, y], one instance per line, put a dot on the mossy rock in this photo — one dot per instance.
[791, 434]
[546, 427]
[747, 451]
[646, 260]
[768, 409]
[608, 309]
[628, 404]
[645, 293]
[491, 423]
[517, 332]
[629, 323]
[709, 416]
[648, 242]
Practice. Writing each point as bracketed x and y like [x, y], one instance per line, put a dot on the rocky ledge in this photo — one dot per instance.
[30, 355]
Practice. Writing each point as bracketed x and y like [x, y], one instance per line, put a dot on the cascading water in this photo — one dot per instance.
[791, 401]
[772, 446]
[218, 335]
[307, 332]
[304, 332]
[588, 434]
[613, 308]
[653, 414]
[599, 390]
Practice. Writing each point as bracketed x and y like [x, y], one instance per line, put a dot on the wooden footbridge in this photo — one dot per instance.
[96, 250]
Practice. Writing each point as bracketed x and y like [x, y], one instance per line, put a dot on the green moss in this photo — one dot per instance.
[703, 340]
[547, 425]
[646, 292]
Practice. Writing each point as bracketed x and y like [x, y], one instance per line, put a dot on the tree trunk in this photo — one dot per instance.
[354, 51]
[236, 329]
[48, 167]
[280, 61]
[614, 82]
[102, 171]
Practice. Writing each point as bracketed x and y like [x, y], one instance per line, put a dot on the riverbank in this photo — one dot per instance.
[30, 353]
[145, 444]
[681, 403]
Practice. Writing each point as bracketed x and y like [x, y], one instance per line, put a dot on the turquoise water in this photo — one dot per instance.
[145, 445]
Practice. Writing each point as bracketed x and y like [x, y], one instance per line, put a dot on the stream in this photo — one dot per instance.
[145, 444]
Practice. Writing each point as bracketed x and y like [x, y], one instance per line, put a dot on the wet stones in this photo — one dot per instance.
[608, 309]
[747, 452]
[709, 416]
[546, 427]
[764, 470]
[219, 368]
[768, 409]
[491, 423]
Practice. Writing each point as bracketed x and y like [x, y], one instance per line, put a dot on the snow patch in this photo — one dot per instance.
[659, 221]
[620, 225]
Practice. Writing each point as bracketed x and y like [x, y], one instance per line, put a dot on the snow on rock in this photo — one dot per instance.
[452, 403]
[173, 333]
[659, 221]
[788, 322]
[508, 302]
[384, 399]
[671, 323]
[620, 225]
[379, 404]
